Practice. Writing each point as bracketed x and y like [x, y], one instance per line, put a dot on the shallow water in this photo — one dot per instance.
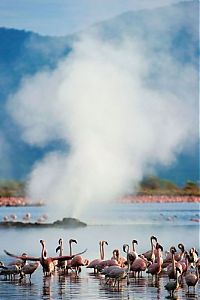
[118, 224]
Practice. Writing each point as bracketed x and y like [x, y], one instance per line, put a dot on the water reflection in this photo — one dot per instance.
[46, 291]
[61, 286]
[89, 286]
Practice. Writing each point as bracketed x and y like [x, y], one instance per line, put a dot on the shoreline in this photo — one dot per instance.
[19, 201]
[23, 201]
[160, 199]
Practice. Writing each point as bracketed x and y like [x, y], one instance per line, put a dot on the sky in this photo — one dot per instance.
[62, 17]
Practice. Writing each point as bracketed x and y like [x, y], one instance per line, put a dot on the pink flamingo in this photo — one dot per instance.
[192, 278]
[193, 256]
[48, 263]
[150, 254]
[171, 268]
[156, 267]
[62, 263]
[29, 269]
[178, 256]
[115, 273]
[139, 265]
[93, 264]
[19, 262]
[133, 254]
[120, 259]
[105, 263]
[77, 261]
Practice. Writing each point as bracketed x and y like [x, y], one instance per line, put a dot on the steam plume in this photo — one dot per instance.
[103, 103]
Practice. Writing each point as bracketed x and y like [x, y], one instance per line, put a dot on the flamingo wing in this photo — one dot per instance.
[67, 257]
[33, 258]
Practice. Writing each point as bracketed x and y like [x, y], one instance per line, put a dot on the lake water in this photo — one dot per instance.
[116, 223]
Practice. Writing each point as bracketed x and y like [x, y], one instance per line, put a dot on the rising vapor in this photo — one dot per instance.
[118, 123]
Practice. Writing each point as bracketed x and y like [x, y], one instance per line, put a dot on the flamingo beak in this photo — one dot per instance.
[154, 238]
[73, 241]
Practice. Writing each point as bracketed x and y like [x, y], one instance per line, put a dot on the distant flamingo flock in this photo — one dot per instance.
[182, 267]
[25, 219]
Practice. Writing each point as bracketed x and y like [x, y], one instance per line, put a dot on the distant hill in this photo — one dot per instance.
[25, 53]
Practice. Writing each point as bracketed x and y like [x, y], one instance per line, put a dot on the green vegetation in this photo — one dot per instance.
[153, 185]
[150, 185]
[12, 188]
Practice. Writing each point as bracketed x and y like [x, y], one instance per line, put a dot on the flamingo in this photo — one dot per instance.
[10, 271]
[129, 260]
[5, 219]
[29, 269]
[23, 267]
[13, 217]
[108, 262]
[27, 217]
[77, 261]
[184, 262]
[192, 278]
[46, 262]
[156, 267]
[117, 274]
[139, 265]
[120, 259]
[20, 262]
[93, 264]
[172, 286]
[150, 254]
[106, 271]
[70, 253]
[62, 263]
[193, 256]
[171, 268]
[133, 254]
[178, 256]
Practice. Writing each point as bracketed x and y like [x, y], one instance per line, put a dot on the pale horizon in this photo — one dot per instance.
[65, 17]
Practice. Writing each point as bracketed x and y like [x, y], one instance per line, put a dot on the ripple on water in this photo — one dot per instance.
[88, 286]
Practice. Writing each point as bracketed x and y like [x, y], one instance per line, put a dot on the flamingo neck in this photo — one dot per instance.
[173, 261]
[177, 282]
[102, 251]
[152, 246]
[159, 257]
[43, 254]
[70, 248]
[61, 248]
[133, 243]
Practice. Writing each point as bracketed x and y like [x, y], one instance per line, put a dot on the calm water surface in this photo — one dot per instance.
[118, 224]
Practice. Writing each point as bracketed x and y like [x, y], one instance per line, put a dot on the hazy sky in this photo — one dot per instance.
[61, 17]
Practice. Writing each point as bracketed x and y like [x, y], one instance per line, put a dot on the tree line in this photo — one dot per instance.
[150, 185]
